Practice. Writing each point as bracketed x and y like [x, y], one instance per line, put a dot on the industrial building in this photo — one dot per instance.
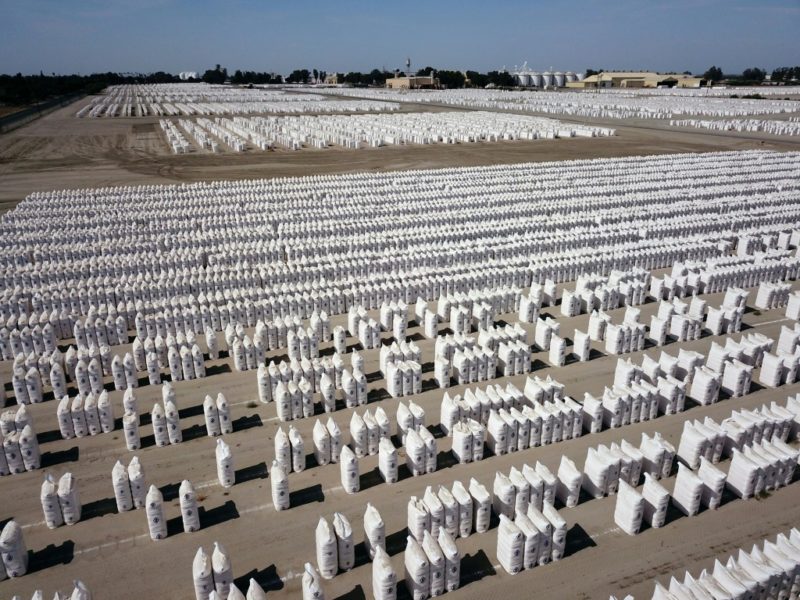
[548, 79]
[412, 82]
[626, 79]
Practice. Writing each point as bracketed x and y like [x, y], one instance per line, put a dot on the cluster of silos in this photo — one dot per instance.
[548, 79]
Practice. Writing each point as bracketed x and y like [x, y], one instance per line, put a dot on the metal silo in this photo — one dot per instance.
[547, 79]
[523, 79]
[558, 79]
[536, 79]
[571, 77]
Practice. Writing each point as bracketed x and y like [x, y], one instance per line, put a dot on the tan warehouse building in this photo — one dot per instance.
[625, 79]
[412, 82]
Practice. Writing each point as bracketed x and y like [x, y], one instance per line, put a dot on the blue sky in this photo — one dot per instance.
[72, 36]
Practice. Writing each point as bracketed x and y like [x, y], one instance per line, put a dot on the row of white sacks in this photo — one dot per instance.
[743, 428]
[598, 168]
[628, 104]
[29, 376]
[61, 504]
[407, 290]
[219, 311]
[760, 467]
[212, 577]
[202, 98]
[526, 498]
[432, 562]
[131, 492]
[772, 127]
[15, 559]
[175, 139]
[80, 591]
[769, 571]
[401, 128]
[370, 434]
[20, 451]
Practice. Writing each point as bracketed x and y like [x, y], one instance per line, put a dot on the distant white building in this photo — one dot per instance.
[188, 75]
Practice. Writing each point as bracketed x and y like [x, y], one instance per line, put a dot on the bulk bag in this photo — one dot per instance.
[312, 587]
[13, 550]
[155, 514]
[437, 564]
[136, 480]
[384, 578]
[344, 542]
[279, 486]
[188, 502]
[417, 570]
[122, 487]
[510, 545]
[387, 461]
[465, 508]
[481, 506]
[50, 506]
[223, 571]
[349, 471]
[225, 472]
[374, 531]
[68, 499]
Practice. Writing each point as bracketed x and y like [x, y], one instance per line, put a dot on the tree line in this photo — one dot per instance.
[754, 75]
[21, 90]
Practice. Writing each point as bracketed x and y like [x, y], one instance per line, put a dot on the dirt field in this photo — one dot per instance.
[114, 554]
[60, 151]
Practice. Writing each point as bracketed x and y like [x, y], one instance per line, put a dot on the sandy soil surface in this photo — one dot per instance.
[114, 554]
[60, 151]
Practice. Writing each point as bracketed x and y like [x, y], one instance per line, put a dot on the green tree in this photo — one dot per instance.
[713, 74]
[754, 74]
[217, 75]
[476, 79]
[501, 78]
[298, 76]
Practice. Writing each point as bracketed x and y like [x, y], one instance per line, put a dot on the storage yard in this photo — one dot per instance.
[368, 343]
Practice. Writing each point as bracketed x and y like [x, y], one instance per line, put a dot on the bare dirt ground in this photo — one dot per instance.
[60, 151]
[115, 556]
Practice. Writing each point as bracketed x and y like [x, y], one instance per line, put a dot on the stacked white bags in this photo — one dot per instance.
[213, 574]
[510, 545]
[224, 458]
[374, 531]
[280, 486]
[155, 514]
[629, 510]
[13, 551]
[311, 584]
[190, 514]
[768, 571]
[656, 502]
[327, 549]
[349, 470]
[50, 507]
[417, 570]
[68, 499]
[658, 454]
[688, 491]
[384, 578]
